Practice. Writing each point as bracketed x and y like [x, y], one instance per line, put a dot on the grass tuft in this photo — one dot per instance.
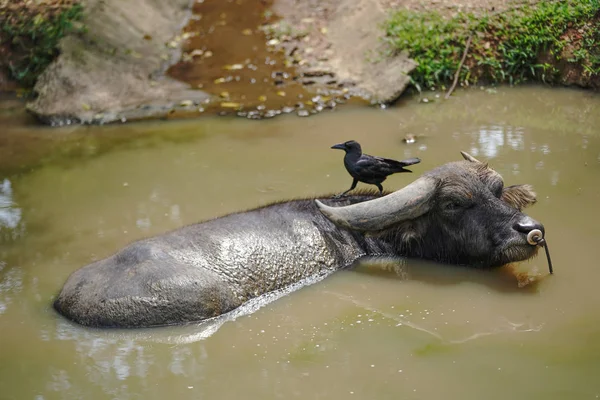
[30, 33]
[509, 47]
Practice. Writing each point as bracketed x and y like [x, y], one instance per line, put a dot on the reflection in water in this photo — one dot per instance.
[514, 138]
[490, 139]
[10, 215]
[493, 138]
[11, 284]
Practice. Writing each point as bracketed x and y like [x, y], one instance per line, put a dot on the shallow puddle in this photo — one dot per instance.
[413, 331]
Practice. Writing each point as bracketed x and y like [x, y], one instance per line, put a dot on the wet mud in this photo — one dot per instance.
[230, 52]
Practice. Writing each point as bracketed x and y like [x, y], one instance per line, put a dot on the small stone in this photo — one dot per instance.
[186, 103]
[303, 113]
[409, 138]
[272, 113]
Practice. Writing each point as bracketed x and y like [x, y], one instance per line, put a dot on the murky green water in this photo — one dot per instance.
[425, 332]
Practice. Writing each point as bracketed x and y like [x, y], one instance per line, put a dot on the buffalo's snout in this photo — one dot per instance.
[527, 224]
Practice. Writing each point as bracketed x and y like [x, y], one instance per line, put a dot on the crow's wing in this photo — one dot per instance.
[381, 167]
[403, 163]
[370, 167]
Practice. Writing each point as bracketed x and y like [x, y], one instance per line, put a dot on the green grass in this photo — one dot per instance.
[31, 35]
[506, 47]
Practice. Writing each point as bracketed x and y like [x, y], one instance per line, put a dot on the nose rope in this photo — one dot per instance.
[535, 237]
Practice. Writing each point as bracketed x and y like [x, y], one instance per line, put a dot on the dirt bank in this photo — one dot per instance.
[343, 38]
[148, 58]
[115, 70]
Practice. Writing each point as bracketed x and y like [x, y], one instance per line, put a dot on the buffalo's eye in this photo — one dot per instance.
[452, 205]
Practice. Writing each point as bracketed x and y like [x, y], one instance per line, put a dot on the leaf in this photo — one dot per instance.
[233, 67]
[230, 104]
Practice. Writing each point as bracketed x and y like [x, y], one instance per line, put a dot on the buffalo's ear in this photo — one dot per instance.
[519, 196]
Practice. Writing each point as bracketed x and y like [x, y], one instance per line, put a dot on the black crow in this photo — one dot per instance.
[369, 169]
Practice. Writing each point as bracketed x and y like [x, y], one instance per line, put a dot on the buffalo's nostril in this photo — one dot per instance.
[527, 225]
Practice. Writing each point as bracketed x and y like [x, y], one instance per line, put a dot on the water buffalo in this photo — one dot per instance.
[458, 213]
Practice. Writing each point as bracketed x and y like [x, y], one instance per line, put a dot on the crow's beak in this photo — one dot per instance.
[339, 146]
[405, 170]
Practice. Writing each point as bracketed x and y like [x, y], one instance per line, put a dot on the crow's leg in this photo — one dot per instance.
[354, 183]
[380, 188]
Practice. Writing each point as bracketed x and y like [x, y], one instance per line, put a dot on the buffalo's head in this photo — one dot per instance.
[458, 213]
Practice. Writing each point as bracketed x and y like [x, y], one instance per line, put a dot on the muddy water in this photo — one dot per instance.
[413, 331]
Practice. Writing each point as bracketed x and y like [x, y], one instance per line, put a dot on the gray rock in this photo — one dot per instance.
[112, 69]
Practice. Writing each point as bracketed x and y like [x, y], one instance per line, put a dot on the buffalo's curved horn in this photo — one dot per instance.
[469, 157]
[377, 214]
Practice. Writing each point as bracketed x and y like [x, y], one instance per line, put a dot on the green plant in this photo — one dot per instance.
[506, 47]
[31, 34]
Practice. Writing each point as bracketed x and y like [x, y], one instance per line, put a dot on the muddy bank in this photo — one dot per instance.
[261, 59]
[343, 38]
[230, 55]
[115, 69]
[238, 57]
